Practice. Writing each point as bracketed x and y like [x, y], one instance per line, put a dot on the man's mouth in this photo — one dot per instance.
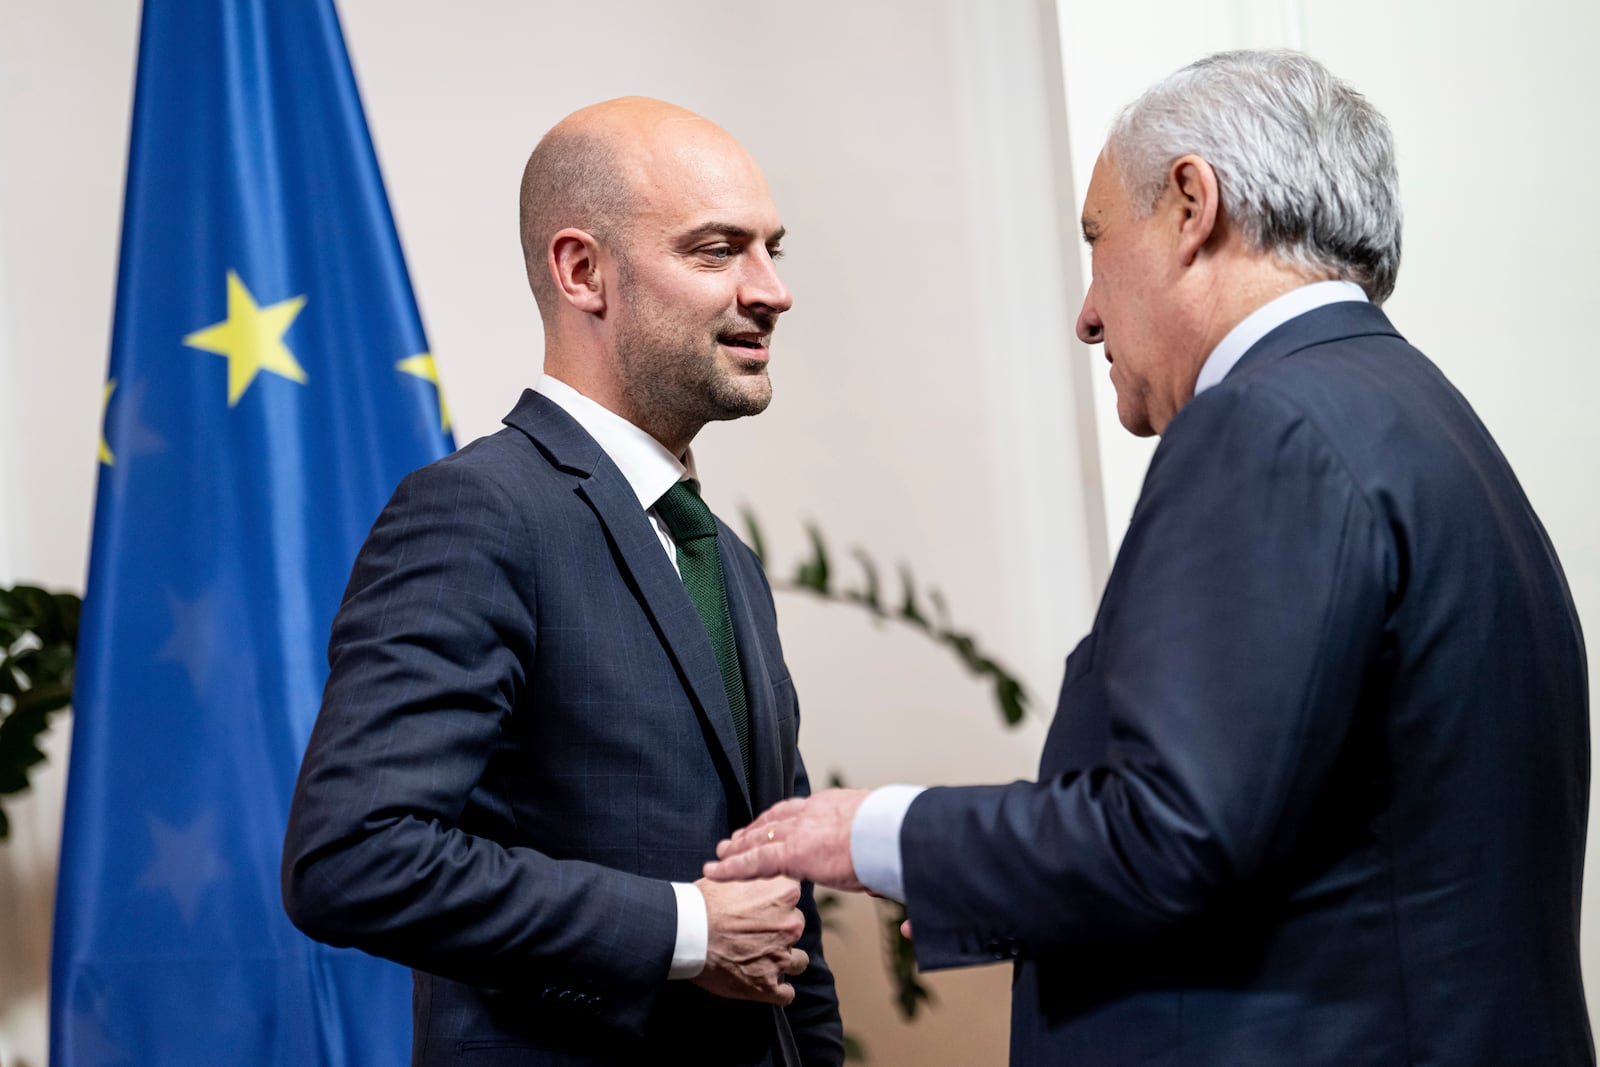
[755, 342]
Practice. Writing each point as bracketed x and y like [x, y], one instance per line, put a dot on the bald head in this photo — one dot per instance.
[651, 242]
[589, 173]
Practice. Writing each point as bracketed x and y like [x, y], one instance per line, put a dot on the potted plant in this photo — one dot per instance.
[38, 649]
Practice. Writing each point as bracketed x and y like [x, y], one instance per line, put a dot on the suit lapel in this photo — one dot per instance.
[646, 567]
[668, 603]
[766, 761]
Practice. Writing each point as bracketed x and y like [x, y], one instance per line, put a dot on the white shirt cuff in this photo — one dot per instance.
[689, 952]
[875, 839]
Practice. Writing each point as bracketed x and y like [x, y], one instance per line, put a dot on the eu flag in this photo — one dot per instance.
[269, 385]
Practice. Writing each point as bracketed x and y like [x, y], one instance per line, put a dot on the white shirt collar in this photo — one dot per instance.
[1266, 318]
[649, 468]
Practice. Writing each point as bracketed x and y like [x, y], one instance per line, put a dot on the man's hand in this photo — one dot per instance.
[752, 927]
[806, 838]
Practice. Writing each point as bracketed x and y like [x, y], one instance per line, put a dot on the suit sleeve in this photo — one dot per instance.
[1235, 634]
[426, 659]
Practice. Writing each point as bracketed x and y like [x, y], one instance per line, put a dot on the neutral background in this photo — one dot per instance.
[932, 408]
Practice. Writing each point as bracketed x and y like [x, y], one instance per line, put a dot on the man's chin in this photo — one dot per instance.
[743, 394]
[1135, 422]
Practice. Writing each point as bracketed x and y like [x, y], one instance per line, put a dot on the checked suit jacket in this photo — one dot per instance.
[1315, 792]
[523, 740]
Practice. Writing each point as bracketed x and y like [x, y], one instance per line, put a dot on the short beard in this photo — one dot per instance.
[675, 383]
[674, 390]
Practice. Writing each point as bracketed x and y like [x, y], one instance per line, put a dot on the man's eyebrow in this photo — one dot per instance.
[731, 231]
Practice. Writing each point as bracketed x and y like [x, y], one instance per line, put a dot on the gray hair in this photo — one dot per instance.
[1304, 163]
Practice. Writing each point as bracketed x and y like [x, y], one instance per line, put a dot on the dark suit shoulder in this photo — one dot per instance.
[1249, 429]
[1395, 422]
[504, 458]
[502, 479]
[1369, 395]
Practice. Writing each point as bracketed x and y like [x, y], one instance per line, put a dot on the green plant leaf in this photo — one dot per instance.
[71, 608]
[24, 662]
[909, 992]
[827, 904]
[11, 625]
[854, 1051]
[966, 649]
[814, 575]
[36, 607]
[870, 597]
[42, 699]
[910, 610]
[753, 530]
[1011, 697]
[19, 747]
[36, 666]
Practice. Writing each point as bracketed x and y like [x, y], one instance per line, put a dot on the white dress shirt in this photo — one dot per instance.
[650, 471]
[1266, 318]
[875, 832]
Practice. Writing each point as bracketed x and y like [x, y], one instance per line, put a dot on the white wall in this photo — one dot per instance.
[65, 91]
[926, 400]
[8, 437]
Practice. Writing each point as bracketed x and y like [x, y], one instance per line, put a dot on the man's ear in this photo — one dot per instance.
[1196, 202]
[575, 266]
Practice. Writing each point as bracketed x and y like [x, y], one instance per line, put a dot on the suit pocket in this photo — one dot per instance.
[785, 705]
[1079, 660]
[786, 727]
[1080, 729]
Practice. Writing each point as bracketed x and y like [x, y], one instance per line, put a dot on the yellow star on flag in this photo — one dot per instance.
[106, 455]
[251, 339]
[425, 368]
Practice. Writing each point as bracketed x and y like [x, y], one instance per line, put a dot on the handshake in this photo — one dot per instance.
[752, 893]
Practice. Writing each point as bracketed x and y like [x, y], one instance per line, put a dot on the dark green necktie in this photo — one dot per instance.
[695, 532]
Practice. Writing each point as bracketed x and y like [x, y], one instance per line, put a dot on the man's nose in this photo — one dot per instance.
[763, 287]
[1091, 331]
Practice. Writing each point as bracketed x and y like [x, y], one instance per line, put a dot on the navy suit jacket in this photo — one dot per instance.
[1316, 788]
[524, 738]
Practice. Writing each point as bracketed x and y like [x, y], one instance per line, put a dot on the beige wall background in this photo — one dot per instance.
[932, 408]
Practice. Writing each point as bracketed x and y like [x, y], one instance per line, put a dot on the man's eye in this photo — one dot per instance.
[717, 252]
[775, 253]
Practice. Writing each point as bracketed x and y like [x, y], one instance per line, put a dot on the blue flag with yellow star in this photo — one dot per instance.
[269, 386]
